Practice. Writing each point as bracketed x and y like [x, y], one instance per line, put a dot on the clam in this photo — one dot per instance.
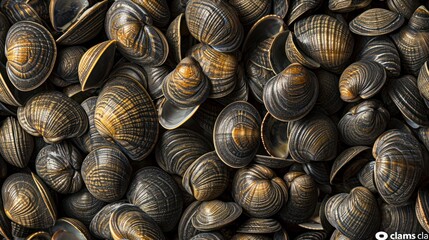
[366, 176]
[130, 222]
[423, 81]
[31, 52]
[361, 80]
[215, 214]
[132, 126]
[106, 173]
[177, 149]
[214, 23]
[59, 167]
[348, 163]
[186, 86]
[312, 34]
[376, 22]
[329, 97]
[398, 166]
[16, 10]
[236, 134]
[405, 95]
[303, 194]
[157, 194]
[356, 214]
[82, 206]
[69, 228]
[259, 191]
[130, 70]
[16, 145]
[413, 41]
[301, 8]
[220, 68]
[206, 178]
[158, 10]
[27, 201]
[99, 225]
[54, 116]
[291, 94]
[125, 14]
[65, 71]
[63, 13]
[343, 6]
[185, 228]
[84, 27]
[313, 138]
[278, 58]
[399, 219]
[383, 51]
[319, 171]
[274, 136]
[241, 90]
[95, 64]
[171, 116]
[363, 123]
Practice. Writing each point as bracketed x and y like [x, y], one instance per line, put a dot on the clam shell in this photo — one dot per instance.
[171, 116]
[185, 228]
[343, 6]
[99, 225]
[31, 52]
[65, 228]
[206, 178]
[82, 206]
[349, 162]
[215, 214]
[296, 55]
[59, 167]
[259, 191]
[399, 219]
[66, 67]
[300, 8]
[259, 226]
[157, 194]
[251, 11]
[376, 22]
[291, 94]
[274, 136]
[312, 34]
[236, 134]
[398, 166]
[158, 10]
[226, 32]
[178, 37]
[155, 78]
[361, 80]
[64, 13]
[403, 7]
[423, 81]
[278, 57]
[366, 176]
[106, 172]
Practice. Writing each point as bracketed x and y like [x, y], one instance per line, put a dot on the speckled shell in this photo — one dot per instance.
[356, 214]
[124, 15]
[313, 138]
[132, 126]
[291, 94]
[363, 123]
[17, 190]
[220, 68]
[82, 206]
[59, 167]
[236, 134]
[31, 52]
[226, 32]
[398, 166]
[259, 191]
[54, 116]
[130, 222]
[376, 22]
[186, 85]
[158, 195]
[179, 148]
[312, 34]
[361, 80]
[106, 172]
[206, 178]
[215, 214]
[16, 145]
[405, 94]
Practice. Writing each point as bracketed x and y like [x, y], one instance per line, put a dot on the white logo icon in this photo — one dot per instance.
[381, 236]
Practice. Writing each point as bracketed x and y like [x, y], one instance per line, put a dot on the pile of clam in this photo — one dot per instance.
[213, 119]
